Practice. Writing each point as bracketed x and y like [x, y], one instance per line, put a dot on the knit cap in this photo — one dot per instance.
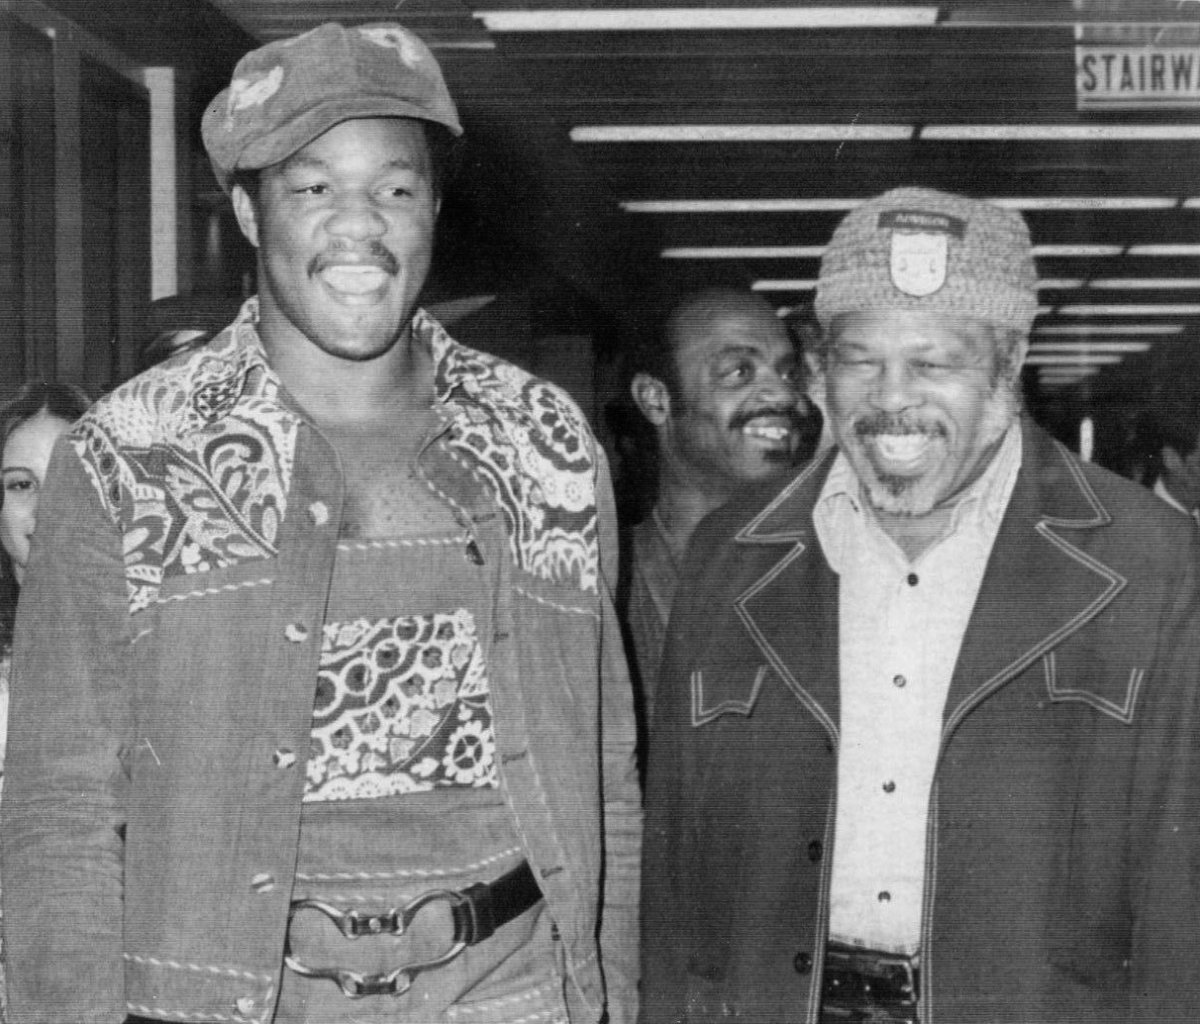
[283, 95]
[928, 251]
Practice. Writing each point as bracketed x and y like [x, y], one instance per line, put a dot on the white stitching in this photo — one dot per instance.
[209, 591]
[591, 613]
[229, 972]
[364, 876]
[407, 542]
[1123, 713]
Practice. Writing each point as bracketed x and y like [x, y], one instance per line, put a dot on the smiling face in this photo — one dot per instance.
[344, 230]
[735, 419]
[23, 471]
[917, 403]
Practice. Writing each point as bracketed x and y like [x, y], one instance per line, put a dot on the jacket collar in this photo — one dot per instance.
[1039, 585]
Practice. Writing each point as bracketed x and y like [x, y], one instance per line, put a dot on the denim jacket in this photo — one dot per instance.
[166, 656]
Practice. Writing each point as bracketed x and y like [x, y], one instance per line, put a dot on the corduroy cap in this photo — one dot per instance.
[929, 251]
[283, 95]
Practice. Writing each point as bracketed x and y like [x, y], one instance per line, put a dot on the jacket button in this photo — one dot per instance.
[296, 632]
[244, 1006]
[802, 962]
[815, 849]
[318, 512]
[284, 758]
[262, 882]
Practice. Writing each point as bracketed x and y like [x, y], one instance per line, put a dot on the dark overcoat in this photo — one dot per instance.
[1063, 838]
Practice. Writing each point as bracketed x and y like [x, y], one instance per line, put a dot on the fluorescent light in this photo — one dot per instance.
[1086, 202]
[742, 133]
[1056, 283]
[839, 205]
[1078, 250]
[1072, 359]
[1172, 249]
[1098, 329]
[745, 252]
[768, 285]
[1059, 132]
[738, 205]
[1090, 346]
[676, 19]
[1143, 283]
[1133, 309]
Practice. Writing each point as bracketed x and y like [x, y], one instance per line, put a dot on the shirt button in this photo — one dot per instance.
[284, 758]
[262, 882]
[815, 849]
[296, 632]
[318, 512]
[474, 555]
[899, 681]
[244, 1006]
[802, 962]
[913, 579]
[889, 786]
[884, 897]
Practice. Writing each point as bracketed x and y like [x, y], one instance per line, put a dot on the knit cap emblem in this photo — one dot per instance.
[920, 245]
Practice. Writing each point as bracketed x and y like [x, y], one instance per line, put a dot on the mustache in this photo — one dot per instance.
[371, 254]
[788, 412]
[895, 423]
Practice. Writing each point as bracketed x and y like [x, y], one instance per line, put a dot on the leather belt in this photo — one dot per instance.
[476, 912]
[868, 985]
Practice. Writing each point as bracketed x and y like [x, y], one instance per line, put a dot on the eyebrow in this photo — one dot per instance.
[306, 163]
[4, 470]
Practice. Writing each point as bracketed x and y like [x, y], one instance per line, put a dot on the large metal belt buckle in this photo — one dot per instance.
[354, 924]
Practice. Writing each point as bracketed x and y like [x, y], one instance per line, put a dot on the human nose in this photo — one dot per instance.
[775, 388]
[356, 216]
[894, 387]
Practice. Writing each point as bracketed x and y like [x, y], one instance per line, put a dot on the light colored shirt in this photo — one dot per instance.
[901, 625]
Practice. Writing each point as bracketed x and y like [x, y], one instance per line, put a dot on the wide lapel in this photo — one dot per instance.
[790, 609]
[1039, 586]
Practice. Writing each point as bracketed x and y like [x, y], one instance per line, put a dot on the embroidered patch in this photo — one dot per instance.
[397, 39]
[529, 443]
[919, 248]
[402, 707]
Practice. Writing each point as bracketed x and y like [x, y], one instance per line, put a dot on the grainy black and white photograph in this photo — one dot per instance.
[599, 512]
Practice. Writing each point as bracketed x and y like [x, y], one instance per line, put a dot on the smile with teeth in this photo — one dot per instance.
[354, 278]
[901, 448]
[767, 430]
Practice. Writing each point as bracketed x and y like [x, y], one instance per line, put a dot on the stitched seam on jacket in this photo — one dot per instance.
[210, 591]
[1123, 713]
[589, 612]
[366, 876]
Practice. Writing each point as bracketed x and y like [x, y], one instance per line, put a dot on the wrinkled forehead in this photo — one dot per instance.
[886, 327]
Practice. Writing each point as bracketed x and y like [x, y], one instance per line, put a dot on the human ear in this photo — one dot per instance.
[246, 214]
[651, 397]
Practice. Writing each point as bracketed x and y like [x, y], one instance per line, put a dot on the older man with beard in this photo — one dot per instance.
[925, 743]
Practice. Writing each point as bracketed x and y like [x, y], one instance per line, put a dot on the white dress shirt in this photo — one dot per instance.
[901, 625]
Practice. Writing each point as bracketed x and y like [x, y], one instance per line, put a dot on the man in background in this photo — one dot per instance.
[719, 386]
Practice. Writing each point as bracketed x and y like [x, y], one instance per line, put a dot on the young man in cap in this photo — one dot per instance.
[320, 711]
[925, 740]
[719, 386]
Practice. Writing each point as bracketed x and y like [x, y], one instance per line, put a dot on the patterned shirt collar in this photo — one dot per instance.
[237, 353]
[979, 508]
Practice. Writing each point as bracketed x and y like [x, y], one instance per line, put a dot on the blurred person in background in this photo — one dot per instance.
[1166, 453]
[30, 423]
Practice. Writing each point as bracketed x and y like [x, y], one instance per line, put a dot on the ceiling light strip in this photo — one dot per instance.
[1130, 309]
[1059, 132]
[1090, 346]
[744, 252]
[1144, 283]
[1077, 249]
[843, 204]
[1086, 330]
[682, 19]
[1073, 359]
[1169, 249]
[784, 285]
[722, 133]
